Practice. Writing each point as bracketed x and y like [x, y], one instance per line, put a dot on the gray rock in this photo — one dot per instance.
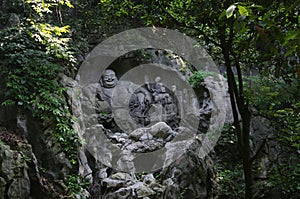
[148, 179]
[19, 188]
[157, 188]
[134, 146]
[146, 136]
[123, 119]
[119, 137]
[142, 190]
[138, 133]
[14, 173]
[160, 130]
[125, 162]
[54, 149]
[190, 173]
[122, 193]
[2, 185]
[112, 183]
[143, 146]
[102, 174]
[121, 176]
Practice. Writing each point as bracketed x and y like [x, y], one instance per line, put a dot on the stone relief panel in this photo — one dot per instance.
[153, 102]
[143, 115]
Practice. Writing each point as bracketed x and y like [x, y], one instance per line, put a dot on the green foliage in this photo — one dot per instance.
[230, 181]
[242, 9]
[75, 184]
[93, 21]
[261, 35]
[279, 101]
[246, 35]
[32, 55]
[286, 175]
[286, 178]
[288, 120]
[266, 94]
[22, 162]
[228, 168]
[276, 39]
[196, 79]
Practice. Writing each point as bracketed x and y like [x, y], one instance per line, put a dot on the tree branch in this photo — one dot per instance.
[207, 38]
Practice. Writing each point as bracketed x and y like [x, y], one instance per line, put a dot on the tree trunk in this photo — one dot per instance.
[239, 107]
[247, 163]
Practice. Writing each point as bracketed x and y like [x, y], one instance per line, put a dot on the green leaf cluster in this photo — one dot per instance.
[266, 94]
[75, 184]
[230, 181]
[196, 79]
[288, 122]
[32, 55]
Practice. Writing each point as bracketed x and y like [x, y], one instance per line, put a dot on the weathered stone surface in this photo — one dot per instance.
[121, 176]
[14, 181]
[58, 158]
[2, 186]
[125, 162]
[144, 146]
[265, 146]
[149, 139]
[146, 136]
[112, 183]
[160, 130]
[138, 190]
[142, 190]
[137, 134]
[148, 179]
[108, 115]
[191, 174]
[120, 194]
[119, 137]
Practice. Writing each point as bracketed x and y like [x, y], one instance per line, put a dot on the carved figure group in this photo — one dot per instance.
[150, 102]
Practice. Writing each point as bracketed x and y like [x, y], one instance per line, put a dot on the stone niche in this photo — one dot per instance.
[144, 107]
[142, 116]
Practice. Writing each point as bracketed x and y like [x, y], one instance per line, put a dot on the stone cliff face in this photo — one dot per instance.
[121, 166]
[180, 169]
[127, 164]
[31, 170]
[33, 164]
[14, 171]
[36, 168]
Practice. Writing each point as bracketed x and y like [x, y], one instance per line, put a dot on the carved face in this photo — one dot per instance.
[109, 79]
[173, 88]
[157, 79]
[163, 89]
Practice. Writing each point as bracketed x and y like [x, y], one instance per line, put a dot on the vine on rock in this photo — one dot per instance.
[32, 54]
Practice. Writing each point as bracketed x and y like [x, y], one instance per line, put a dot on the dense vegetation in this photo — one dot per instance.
[41, 39]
